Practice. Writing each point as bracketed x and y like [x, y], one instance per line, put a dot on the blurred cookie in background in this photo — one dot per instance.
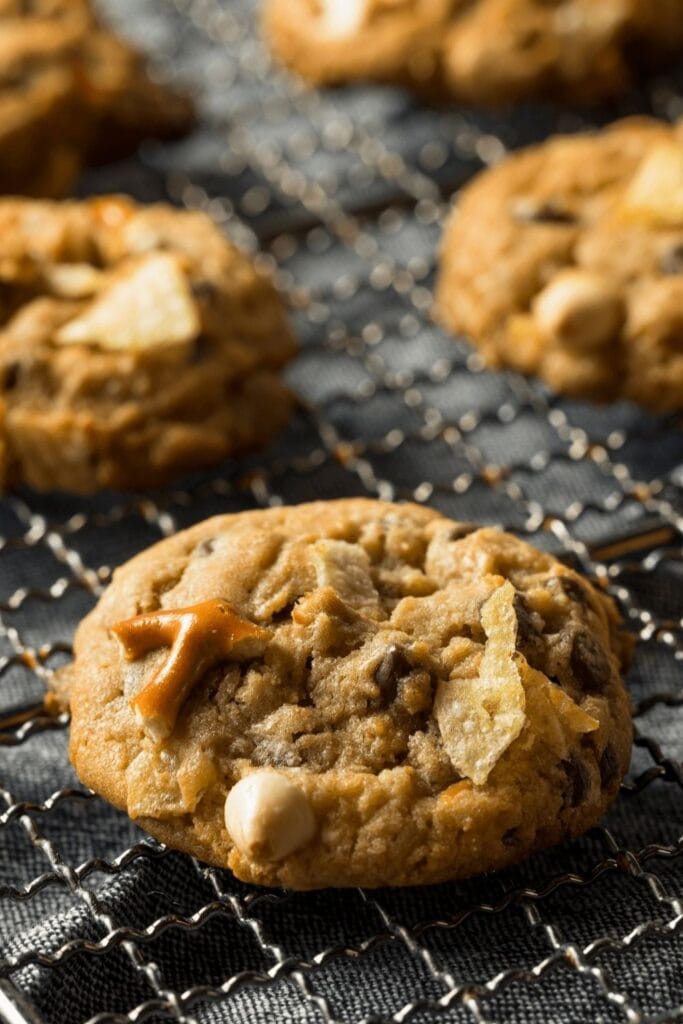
[72, 93]
[137, 343]
[566, 261]
[493, 52]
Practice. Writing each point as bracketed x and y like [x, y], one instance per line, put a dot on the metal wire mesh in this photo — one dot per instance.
[345, 194]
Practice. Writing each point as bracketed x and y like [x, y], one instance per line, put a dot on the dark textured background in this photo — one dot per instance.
[347, 192]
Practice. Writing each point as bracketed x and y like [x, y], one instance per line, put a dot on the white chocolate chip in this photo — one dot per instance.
[268, 816]
[148, 305]
[339, 18]
[580, 309]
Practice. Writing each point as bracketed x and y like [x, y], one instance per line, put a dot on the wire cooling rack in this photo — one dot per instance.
[345, 195]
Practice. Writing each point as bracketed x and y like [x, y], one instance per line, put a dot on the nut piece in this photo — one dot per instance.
[479, 718]
[655, 195]
[580, 309]
[268, 816]
[339, 18]
[147, 305]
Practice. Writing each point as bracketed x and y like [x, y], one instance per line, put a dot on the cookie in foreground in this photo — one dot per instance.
[72, 92]
[566, 261]
[351, 693]
[136, 343]
[493, 52]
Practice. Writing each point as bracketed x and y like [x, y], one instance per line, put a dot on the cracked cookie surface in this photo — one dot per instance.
[417, 700]
[136, 343]
[478, 51]
[566, 261]
[72, 93]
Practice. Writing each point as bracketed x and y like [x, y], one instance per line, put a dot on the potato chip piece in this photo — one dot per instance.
[552, 712]
[479, 718]
[655, 195]
[152, 788]
[346, 568]
[147, 305]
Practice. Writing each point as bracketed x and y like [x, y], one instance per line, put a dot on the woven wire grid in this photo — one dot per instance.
[344, 193]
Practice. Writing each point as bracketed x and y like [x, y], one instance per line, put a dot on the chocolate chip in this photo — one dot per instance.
[393, 667]
[306, 700]
[204, 291]
[529, 623]
[511, 837]
[10, 376]
[574, 590]
[207, 547]
[546, 212]
[14, 79]
[461, 530]
[589, 664]
[201, 349]
[529, 633]
[609, 767]
[283, 614]
[671, 260]
[578, 780]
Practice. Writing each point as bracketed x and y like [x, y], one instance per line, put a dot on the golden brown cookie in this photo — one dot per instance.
[566, 261]
[480, 51]
[136, 343]
[42, 128]
[351, 693]
[71, 93]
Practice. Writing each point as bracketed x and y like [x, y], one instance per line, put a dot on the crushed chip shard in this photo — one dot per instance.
[346, 568]
[479, 718]
[655, 194]
[553, 714]
[147, 305]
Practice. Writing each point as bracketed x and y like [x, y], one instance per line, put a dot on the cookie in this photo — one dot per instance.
[566, 261]
[123, 103]
[493, 52]
[136, 343]
[74, 93]
[351, 693]
[39, 108]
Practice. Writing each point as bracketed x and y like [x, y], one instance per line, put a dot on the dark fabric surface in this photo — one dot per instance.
[347, 191]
